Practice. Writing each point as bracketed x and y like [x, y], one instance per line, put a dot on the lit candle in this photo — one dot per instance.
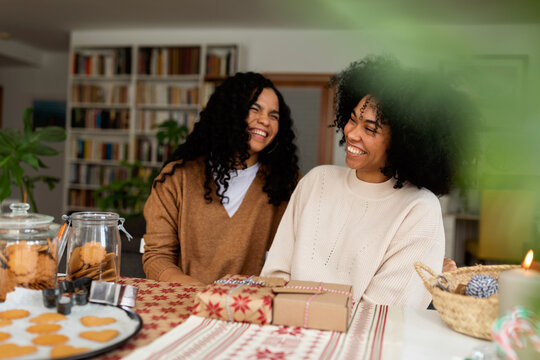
[520, 287]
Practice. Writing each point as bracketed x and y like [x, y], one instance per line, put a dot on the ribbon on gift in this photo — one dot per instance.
[239, 284]
[512, 327]
[318, 291]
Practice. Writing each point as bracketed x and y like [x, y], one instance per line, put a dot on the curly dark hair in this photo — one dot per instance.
[431, 123]
[221, 138]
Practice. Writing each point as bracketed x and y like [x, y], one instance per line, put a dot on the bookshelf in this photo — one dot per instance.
[118, 94]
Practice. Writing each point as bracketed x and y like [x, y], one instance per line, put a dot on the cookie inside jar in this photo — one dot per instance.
[28, 250]
[94, 246]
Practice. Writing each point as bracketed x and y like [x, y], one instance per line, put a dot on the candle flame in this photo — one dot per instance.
[528, 259]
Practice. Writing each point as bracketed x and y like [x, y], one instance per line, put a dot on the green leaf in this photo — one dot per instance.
[45, 150]
[31, 160]
[4, 161]
[7, 138]
[50, 134]
[5, 185]
[42, 164]
[17, 172]
[27, 120]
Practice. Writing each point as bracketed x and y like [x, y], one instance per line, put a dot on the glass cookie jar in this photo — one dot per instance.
[94, 245]
[28, 250]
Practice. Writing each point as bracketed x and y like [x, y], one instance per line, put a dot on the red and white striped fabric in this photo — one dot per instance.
[375, 332]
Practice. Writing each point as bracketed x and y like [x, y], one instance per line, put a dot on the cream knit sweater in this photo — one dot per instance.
[340, 229]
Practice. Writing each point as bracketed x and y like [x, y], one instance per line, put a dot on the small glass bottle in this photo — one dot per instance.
[94, 246]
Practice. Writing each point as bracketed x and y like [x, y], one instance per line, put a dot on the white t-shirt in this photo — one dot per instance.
[238, 187]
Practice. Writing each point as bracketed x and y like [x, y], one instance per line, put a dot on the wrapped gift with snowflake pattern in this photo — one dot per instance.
[239, 298]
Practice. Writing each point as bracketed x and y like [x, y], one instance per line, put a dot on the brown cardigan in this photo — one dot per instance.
[183, 230]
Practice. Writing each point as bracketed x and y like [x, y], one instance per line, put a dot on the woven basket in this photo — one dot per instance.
[465, 314]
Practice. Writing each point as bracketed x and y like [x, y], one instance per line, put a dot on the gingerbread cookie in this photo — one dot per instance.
[45, 277]
[14, 314]
[50, 339]
[13, 350]
[5, 322]
[92, 253]
[22, 261]
[44, 328]
[48, 317]
[7, 282]
[99, 336]
[4, 336]
[83, 262]
[90, 320]
[61, 351]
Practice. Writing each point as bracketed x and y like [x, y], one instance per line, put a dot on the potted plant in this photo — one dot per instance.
[18, 149]
[127, 196]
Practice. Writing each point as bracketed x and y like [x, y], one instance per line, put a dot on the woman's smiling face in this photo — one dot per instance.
[262, 123]
[367, 141]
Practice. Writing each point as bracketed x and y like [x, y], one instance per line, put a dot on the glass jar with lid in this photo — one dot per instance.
[28, 250]
[94, 245]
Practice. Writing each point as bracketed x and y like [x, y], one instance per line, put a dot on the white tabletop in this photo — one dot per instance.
[426, 336]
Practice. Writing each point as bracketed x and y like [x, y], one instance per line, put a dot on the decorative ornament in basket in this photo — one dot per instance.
[466, 314]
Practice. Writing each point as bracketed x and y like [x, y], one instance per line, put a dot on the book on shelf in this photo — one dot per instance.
[100, 119]
[86, 149]
[101, 62]
[221, 61]
[96, 175]
[81, 198]
[166, 94]
[99, 94]
[169, 60]
[145, 148]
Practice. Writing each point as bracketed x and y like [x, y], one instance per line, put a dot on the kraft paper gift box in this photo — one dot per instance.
[239, 298]
[315, 305]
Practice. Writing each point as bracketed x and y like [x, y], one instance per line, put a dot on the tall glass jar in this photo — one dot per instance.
[94, 246]
[28, 250]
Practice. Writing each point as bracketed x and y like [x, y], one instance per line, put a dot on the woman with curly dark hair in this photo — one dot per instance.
[215, 206]
[368, 223]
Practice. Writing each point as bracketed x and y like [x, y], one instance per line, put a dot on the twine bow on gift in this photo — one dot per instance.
[318, 291]
[239, 284]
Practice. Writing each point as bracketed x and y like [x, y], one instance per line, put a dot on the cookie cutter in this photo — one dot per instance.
[104, 292]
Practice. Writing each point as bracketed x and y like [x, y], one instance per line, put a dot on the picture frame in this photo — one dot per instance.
[49, 113]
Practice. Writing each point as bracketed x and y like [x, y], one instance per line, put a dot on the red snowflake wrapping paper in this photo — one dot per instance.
[238, 298]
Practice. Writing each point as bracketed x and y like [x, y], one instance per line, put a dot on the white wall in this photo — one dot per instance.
[22, 85]
[278, 51]
[329, 51]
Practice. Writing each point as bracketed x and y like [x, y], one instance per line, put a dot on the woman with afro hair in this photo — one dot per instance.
[368, 223]
[216, 205]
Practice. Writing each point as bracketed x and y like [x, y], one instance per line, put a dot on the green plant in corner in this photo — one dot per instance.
[17, 149]
[169, 135]
[128, 195]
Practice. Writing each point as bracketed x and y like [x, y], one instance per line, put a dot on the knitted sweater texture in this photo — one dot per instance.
[340, 229]
[183, 230]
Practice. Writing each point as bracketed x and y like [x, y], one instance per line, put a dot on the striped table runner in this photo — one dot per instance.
[375, 332]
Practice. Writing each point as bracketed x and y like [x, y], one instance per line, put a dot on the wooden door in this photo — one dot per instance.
[311, 103]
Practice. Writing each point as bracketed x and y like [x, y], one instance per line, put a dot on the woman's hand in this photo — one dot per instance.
[176, 275]
[449, 265]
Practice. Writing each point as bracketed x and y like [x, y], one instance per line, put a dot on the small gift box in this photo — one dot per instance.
[313, 305]
[239, 298]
